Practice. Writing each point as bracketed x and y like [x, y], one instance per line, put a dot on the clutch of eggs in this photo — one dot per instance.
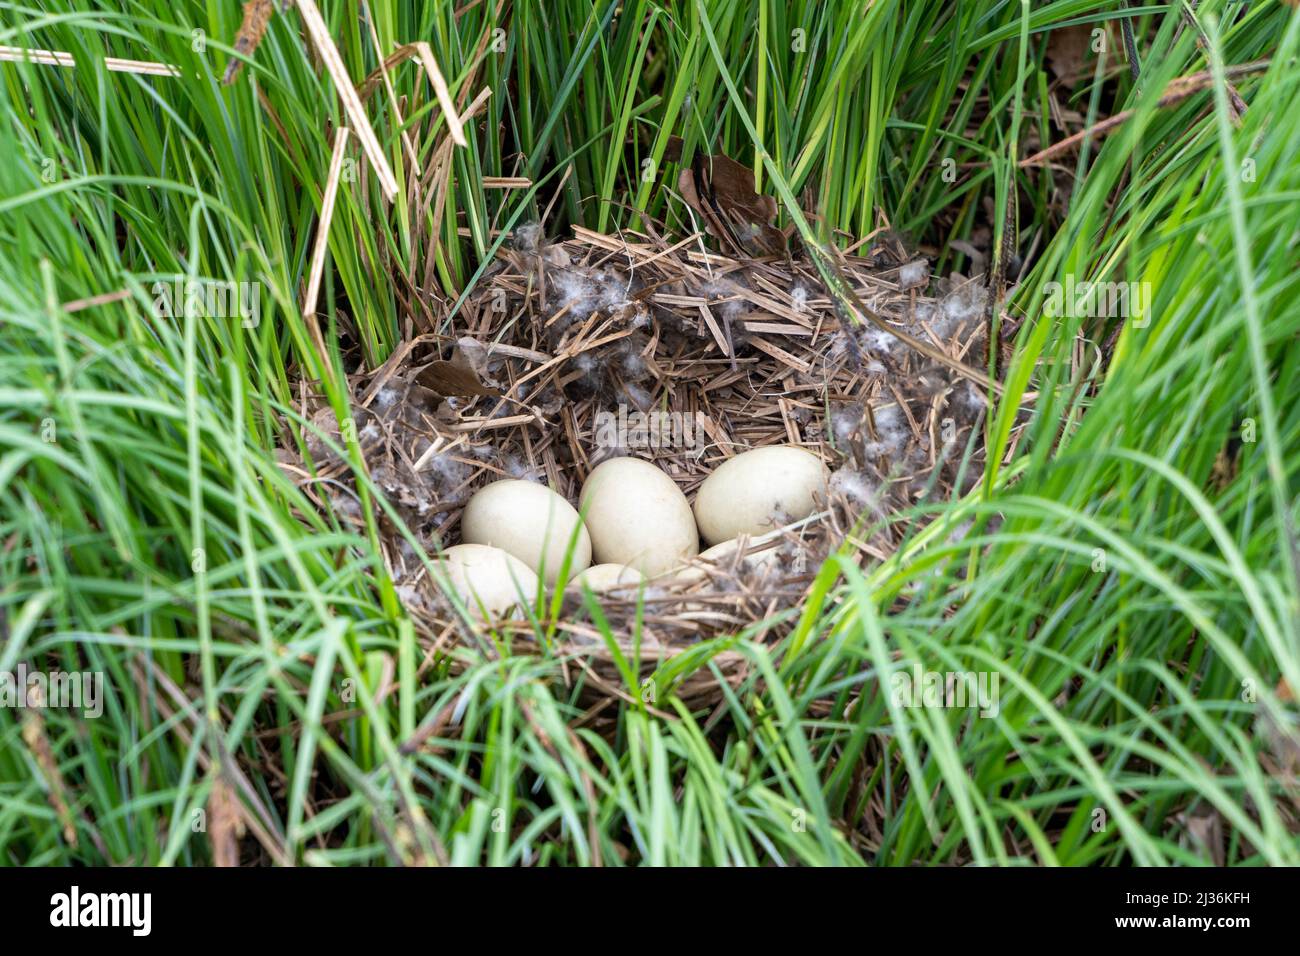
[635, 523]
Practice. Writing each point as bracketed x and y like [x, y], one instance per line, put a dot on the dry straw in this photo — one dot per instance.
[329, 55]
[13, 54]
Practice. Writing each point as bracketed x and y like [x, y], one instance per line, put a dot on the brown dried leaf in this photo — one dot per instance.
[1068, 50]
[473, 353]
[1206, 831]
[722, 193]
[686, 186]
[459, 375]
[733, 189]
[257, 15]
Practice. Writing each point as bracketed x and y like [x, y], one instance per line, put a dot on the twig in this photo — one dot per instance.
[422, 52]
[103, 298]
[1177, 91]
[1202, 44]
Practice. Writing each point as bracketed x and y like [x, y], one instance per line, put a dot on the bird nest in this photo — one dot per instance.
[568, 353]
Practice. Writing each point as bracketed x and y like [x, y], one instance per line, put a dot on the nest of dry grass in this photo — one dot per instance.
[560, 339]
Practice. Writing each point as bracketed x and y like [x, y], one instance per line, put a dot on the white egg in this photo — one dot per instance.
[761, 554]
[531, 522]
[488, 579]
[757, 491]
[638, 516]
[602, 577]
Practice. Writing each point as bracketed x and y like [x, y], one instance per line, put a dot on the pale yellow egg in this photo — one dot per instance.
[638, 516]
[529, 521]
[602, 577]
[758, 491]
[488, 580]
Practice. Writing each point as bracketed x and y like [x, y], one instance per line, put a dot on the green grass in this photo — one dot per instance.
[1137, 599]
